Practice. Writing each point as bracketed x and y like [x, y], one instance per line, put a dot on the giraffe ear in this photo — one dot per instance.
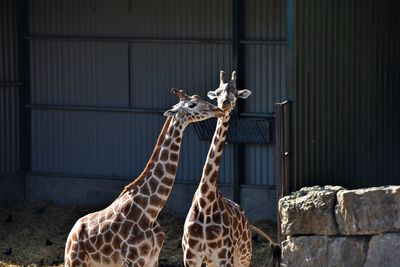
[169, 113]
[244, 93]
[211, 94]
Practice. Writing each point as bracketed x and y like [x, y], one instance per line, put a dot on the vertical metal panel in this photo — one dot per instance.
[265, 19]
[9, 95]
[47, 147]
[154, 18]
[345, 93]
[80, 73]
[9, 130]
[265, 75]
[8, 41]
[156, 68]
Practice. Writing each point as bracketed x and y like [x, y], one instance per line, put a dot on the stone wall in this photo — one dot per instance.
[332, 226]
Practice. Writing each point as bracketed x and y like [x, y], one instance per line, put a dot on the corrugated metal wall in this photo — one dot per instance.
[346, 94]
[9, 95]
[265, 74]
[110, 67]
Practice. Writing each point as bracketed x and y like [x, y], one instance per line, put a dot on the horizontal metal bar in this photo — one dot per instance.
[94, 108]
[129, 179]
[80, 176]
[131, 110]
[13, 174]
[261, 115]
[126, 39]
[102, 177]
[12, 83]
[262, 187]
[148, 40]
[263, 42]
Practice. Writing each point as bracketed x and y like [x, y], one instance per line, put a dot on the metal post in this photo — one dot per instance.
[24, 77]
[237, 62]
[282, 111]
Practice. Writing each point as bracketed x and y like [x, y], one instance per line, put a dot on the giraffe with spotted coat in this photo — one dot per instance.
[126, 233]
[217, 231]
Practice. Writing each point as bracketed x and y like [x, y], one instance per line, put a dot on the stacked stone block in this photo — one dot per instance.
[332, 226]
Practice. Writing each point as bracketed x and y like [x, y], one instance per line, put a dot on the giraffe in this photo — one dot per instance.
[216, 229]
[126, 232]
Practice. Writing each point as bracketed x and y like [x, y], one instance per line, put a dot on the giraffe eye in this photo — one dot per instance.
[192, 105]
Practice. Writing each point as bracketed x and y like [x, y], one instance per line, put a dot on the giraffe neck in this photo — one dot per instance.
[155, 183]
[211, 167]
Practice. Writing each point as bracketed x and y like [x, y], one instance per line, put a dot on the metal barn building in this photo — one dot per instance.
[83, 84]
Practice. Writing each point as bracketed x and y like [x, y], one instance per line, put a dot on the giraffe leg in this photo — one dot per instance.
[76, 256]
[131, 263]
[154, 263]
[227, 263]
[191, 263]
[190, 259]
[242, 258]
[159, 238]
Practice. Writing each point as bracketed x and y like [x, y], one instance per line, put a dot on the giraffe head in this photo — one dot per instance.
[192, 108]
[227, 94]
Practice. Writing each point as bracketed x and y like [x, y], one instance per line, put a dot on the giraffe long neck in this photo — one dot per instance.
[208, 180]
[155, 183]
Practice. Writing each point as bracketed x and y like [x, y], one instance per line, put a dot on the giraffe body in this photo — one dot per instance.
[216, 230]
[126, 232]
[114, 237]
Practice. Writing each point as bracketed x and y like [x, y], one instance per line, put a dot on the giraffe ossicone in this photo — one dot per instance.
[126, 233]
[216, 230]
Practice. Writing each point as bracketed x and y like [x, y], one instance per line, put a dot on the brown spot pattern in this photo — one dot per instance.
[220, 147]
[207, 169]
[211, 196]
[213, 177]
[144, 221]
[168, 181]
[195, 230]
[155, 201]
[174, 156]
[203, 203]
[218, 160]
[108, 235]
[171, 168]
[145, 189]
[106, 250]
[212, 232]
[134, 214]
[174, 147]
[164, 155]
[204, 188]
[158, 171]
[141, 201]
[116, 242]
[162, 190]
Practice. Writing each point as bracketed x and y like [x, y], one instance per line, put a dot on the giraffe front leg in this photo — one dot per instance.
[153, 262]
[76, 256]
[190, 259]
[226, 258]
[159, 237]
[227, 263]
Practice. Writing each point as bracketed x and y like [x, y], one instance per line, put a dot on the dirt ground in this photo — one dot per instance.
[35, 235]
